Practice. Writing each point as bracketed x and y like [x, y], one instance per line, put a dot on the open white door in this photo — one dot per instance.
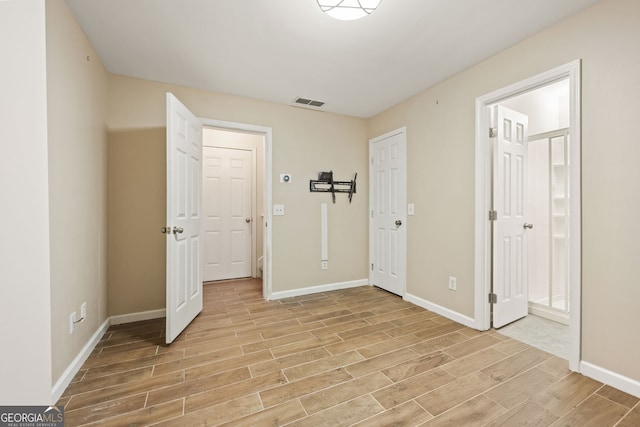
[184, 194]
[510, 227]
[388, 196]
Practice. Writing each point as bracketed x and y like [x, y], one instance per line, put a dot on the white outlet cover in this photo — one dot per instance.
[72, 322]
[278, 210]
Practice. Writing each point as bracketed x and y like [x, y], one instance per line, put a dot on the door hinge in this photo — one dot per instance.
[371, 266]
[372, 160]
[372, 213]
[493, 132]
[493, 298]
[493, 215]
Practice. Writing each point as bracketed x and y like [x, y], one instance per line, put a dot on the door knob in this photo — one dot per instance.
[247, 220]
[165, 230]
[398, 223]
[529, 226]
[177, 230]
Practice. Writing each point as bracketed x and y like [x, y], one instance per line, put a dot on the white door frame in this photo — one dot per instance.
[403, 264]
[484, 189]
[254, 191]
[267, 275]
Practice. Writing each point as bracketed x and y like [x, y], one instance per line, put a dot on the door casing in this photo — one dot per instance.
[267, 289]
[483, 190]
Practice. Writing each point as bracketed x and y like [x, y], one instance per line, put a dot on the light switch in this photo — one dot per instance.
[278, 210]
[410, 209]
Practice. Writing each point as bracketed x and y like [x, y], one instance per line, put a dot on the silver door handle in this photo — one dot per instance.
[529, 226]
[247, 220]
[177, 230]
[398, 223]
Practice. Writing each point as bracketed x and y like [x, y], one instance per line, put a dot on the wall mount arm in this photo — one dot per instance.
[326, 184]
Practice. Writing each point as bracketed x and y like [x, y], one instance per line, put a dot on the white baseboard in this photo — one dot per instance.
[137, 317]
[610, 378]
[73, 368]
[318, 289]
[449, 314]
[548, 313]
[71, 371]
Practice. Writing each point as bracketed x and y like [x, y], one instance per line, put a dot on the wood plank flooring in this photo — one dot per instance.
[359, 356]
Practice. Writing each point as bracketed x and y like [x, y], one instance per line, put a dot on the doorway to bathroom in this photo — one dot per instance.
[548, 197]
[528, 203]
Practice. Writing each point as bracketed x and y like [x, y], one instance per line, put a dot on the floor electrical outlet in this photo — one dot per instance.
[452, 283]
[325, 265]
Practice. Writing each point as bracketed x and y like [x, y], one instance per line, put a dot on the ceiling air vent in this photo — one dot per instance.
[308, 102]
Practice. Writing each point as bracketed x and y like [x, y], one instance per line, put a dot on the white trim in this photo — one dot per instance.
[443, 311]
[372, 141]
[137, 317]
[268, 188]
[610, 378]
[74, 367]
[483, 198]
[67, 376]
[548, 313]
[320, 288]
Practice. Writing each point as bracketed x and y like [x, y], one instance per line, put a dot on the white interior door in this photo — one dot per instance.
[184, 193]
[510, 228]
[227, 213]
[388, 211]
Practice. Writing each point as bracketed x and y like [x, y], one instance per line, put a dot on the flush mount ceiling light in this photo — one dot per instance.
[348, 10]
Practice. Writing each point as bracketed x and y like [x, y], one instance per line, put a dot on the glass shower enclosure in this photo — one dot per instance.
[549, 243]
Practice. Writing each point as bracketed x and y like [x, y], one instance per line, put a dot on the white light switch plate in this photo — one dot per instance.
[278, 210]
[410, 209]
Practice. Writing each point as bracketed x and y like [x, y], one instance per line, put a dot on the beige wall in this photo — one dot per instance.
[304, 143]
[25, 333]
[77, 90]
[137, 210]
[440, 130]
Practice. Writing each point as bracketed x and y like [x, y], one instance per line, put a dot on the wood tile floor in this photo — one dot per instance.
[352, 357]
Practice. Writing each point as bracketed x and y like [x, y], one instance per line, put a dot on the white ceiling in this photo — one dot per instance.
[277, 50]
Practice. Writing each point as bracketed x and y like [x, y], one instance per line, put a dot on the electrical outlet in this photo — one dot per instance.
[278, 210]
[452, 283]
[325, 265]
[72, 322]
[83, 311]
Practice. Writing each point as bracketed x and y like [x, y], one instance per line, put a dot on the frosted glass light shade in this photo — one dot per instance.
[348, 10]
